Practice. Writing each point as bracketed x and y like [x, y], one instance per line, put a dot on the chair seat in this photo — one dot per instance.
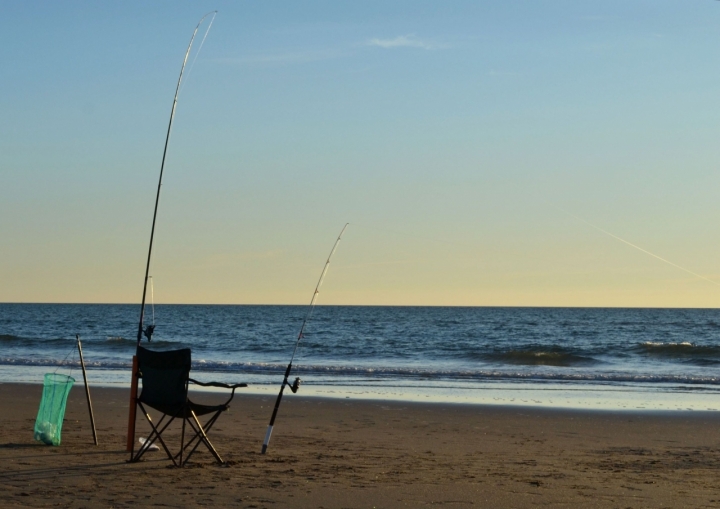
[206, 409]
[183, 411]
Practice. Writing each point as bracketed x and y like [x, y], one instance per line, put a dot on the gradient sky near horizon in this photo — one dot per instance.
[466, 142]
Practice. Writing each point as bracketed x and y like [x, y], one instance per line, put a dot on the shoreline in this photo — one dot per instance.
[427, 405]
[272, 394]
[328, 452]
[624, 396]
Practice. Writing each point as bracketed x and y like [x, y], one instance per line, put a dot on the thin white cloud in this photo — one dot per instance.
[402, 41]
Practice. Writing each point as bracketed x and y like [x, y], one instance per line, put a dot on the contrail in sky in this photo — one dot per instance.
[638, 247]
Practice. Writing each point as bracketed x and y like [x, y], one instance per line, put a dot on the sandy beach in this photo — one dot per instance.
[335, 453]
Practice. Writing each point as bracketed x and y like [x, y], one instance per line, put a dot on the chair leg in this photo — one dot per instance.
[151, 437]
[156, 434]
[196, 440]
[182, 442]
[200, 433]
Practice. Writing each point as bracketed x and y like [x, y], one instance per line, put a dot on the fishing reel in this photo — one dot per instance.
[148, 332]
[295, 385]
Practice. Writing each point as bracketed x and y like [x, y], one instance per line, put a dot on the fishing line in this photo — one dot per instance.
[638, 247]
[192, 64]
[295, 385]
[152, 300]
[73, 352]
[148, 331]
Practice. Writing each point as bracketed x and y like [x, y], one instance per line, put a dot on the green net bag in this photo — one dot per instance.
[48, 424]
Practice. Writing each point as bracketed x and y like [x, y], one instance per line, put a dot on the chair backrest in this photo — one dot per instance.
[164, 378]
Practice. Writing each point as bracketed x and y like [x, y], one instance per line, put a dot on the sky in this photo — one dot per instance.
[485, 153]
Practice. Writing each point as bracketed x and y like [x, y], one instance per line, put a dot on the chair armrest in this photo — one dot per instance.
[217, 384]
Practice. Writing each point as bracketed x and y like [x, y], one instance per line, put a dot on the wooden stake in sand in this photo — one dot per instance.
[87, 389]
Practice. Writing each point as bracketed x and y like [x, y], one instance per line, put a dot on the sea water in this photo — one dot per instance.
[647, 359]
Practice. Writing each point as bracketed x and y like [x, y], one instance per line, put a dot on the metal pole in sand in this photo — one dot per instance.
[87, 389]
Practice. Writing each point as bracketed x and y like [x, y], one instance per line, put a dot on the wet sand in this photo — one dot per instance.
[335, 453]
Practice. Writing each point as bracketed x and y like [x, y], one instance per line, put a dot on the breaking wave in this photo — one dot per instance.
[343, 374]
[686, 352]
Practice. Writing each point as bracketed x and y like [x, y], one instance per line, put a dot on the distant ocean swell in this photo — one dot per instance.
[526, 355]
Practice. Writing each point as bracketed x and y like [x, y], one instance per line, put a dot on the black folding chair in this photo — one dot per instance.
[165, 378]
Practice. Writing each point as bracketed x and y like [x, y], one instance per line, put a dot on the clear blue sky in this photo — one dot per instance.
[446, 133]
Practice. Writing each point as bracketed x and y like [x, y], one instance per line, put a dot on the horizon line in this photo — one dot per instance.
[505, 306]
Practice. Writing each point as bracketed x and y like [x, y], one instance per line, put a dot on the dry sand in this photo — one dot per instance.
[363, 454]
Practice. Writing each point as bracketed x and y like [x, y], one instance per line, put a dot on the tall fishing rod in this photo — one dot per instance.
[151, 328]
[296, 384]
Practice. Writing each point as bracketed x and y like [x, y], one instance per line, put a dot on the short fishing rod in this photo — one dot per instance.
[150, 328]
[296, 384]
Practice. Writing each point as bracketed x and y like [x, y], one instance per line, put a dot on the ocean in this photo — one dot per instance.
[594, 358]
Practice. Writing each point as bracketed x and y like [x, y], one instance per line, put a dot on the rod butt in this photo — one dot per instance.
[267, 439]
